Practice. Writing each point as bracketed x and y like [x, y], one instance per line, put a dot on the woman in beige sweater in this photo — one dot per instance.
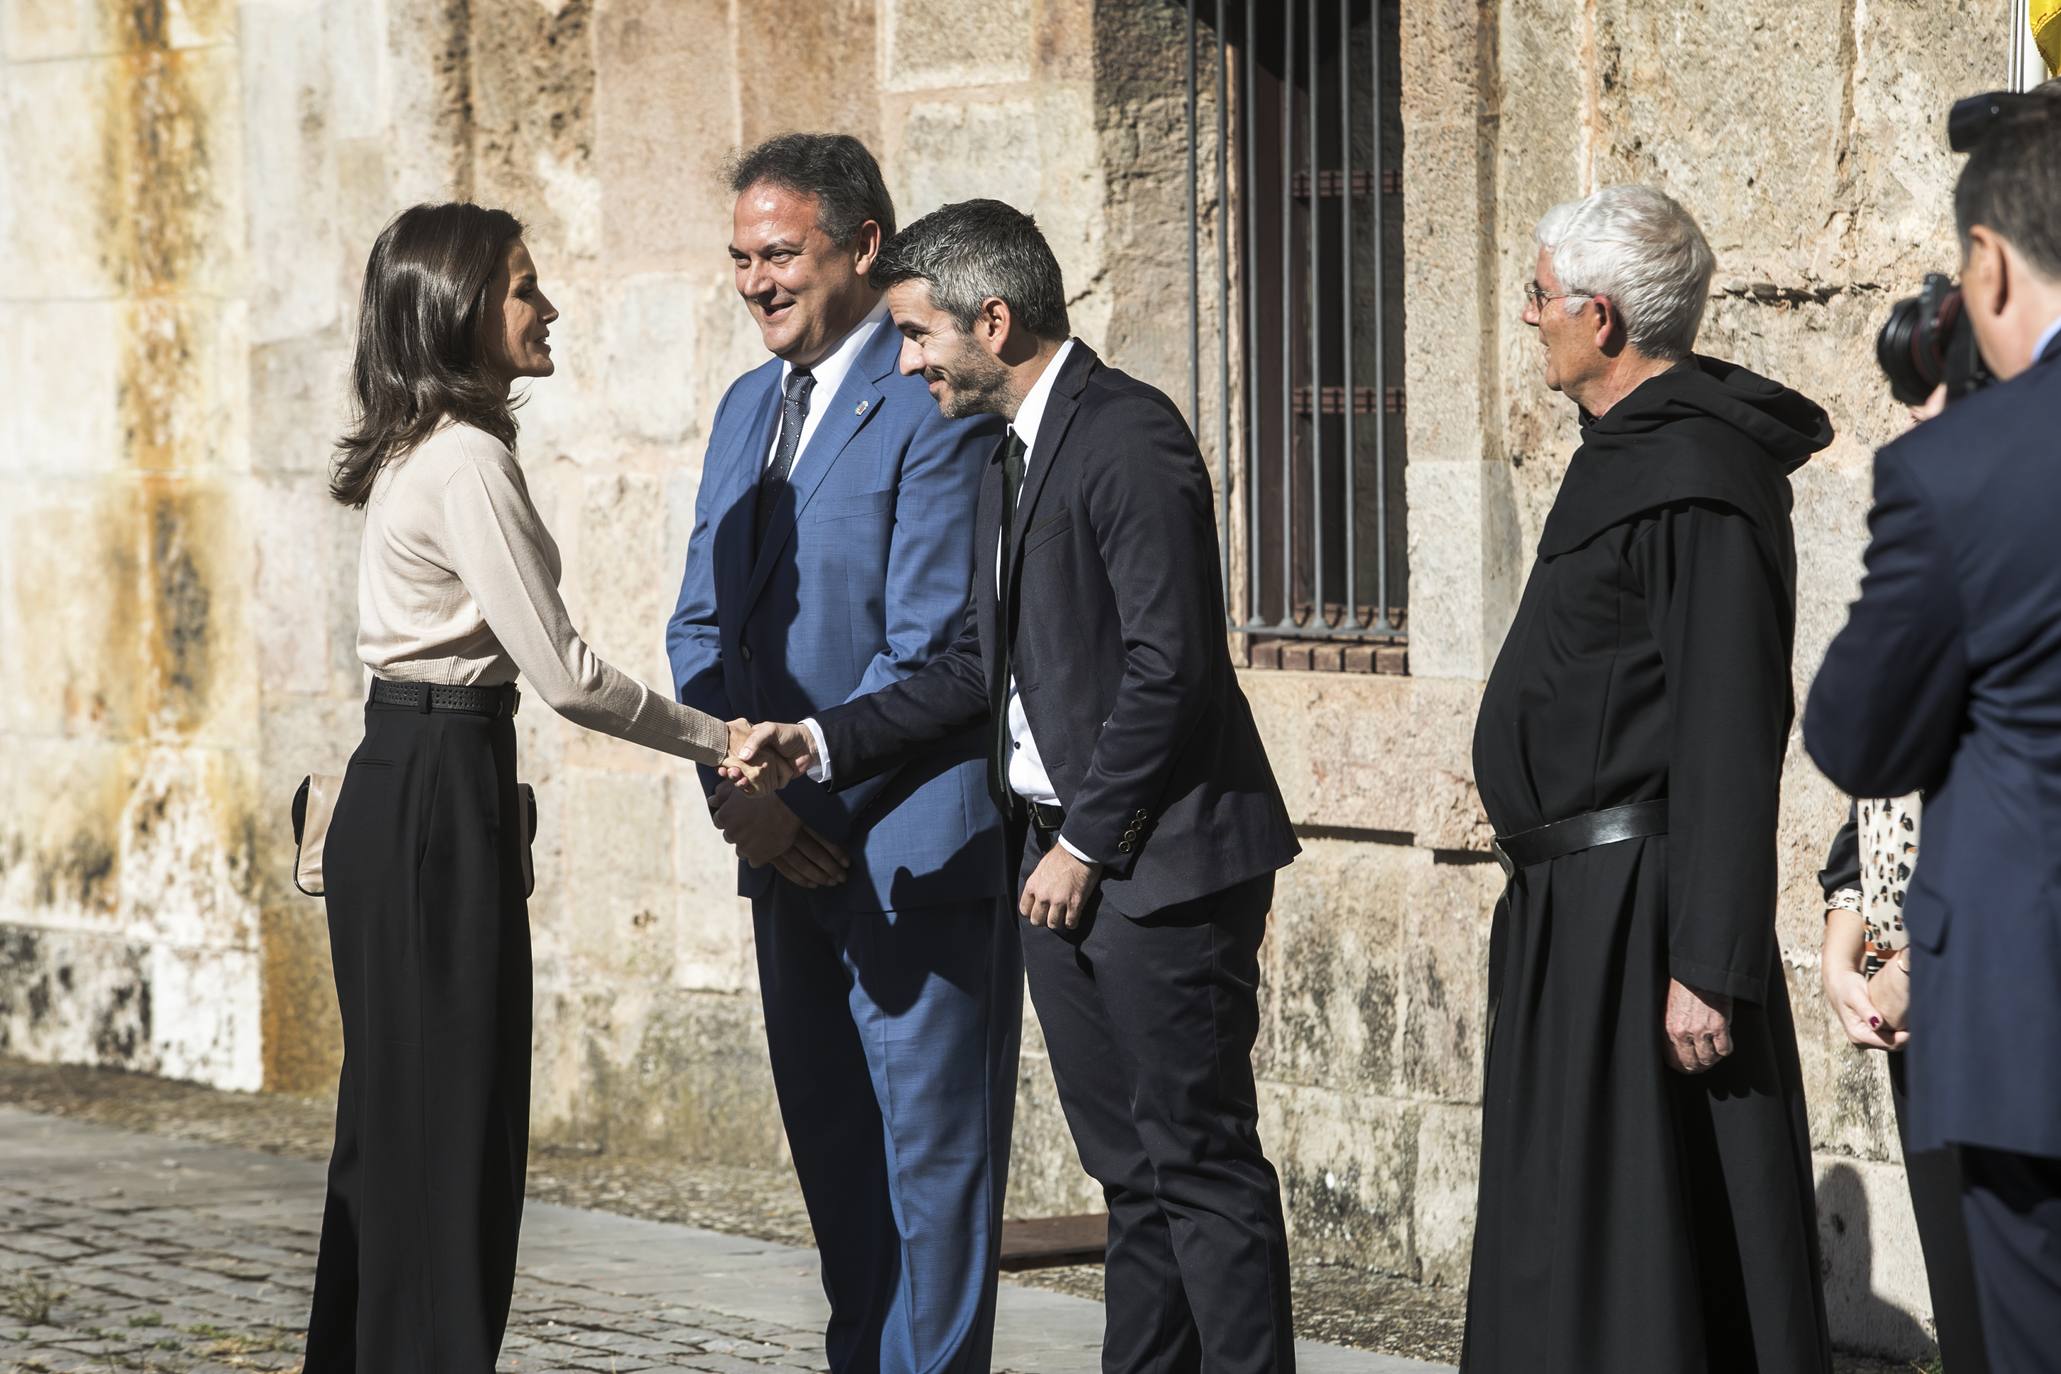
[428, 921]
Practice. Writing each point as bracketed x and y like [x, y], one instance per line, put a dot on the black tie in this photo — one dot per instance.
[998, 690]
[794, 413]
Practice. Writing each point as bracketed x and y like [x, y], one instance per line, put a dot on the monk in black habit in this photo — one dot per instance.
[1646, 1189]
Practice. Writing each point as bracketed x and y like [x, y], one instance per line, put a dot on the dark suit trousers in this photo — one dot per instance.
[429, 933]
[1150, 1027]
[1935, 1182]
[2013, 1206]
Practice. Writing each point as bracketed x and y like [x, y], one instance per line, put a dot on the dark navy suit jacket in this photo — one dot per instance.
[860, 581]
[1947, 677]
[1116, 634]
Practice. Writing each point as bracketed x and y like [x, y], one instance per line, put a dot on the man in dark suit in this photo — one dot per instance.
[1947, 677]
[1126, 762]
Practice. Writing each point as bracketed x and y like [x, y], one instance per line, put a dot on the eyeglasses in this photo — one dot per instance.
[1538, 295]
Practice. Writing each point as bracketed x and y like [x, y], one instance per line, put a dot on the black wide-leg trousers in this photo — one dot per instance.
[429, 933]
[1150, 1026]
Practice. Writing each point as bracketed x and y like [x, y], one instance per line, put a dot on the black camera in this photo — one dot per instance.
[1928, 340]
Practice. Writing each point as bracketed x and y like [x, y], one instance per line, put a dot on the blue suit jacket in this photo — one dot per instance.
[862, 579]
[1947, 677]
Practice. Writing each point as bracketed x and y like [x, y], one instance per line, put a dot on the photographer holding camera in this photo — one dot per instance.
[1947, 679]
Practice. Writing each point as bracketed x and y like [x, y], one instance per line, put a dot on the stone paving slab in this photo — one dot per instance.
[121, 1251]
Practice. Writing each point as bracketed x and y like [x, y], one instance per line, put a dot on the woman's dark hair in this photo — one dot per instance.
[419, 354]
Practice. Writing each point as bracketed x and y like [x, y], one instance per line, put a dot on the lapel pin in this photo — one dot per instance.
[861, 410]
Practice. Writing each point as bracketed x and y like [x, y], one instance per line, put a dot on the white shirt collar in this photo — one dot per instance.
[1031, 413]
[830, 373]
[2040, 348]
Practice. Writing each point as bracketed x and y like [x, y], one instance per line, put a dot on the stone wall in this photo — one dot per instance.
[187, 192]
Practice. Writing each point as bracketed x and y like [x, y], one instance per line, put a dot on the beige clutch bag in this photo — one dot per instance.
[314, 804]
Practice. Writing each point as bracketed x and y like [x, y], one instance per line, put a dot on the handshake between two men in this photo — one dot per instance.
[748, 811]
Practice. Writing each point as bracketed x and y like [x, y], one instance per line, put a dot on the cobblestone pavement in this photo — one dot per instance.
[122, 1251]
[1339, 1304]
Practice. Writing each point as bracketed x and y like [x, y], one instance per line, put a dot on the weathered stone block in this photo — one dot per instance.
[714, 949]
[611, 919]
[643, 1068]
[300, 403]
[1373, 752]
[205, 1016]
[300, 1029]
[37, 30]
[289, 72]
[62, 357]
[654, 347]
[1447, 1192]
[68, 996]
[1348, 1164]
[199, 678]
[665, 118]
[1467, 566]
[1335, 964]
[188, 872]
[59, 140]
[87, 645]
[925, 43]
[61, 848]
[839, 93]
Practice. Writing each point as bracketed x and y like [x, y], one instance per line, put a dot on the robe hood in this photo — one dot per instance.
[1784, 423]
[1705, 430]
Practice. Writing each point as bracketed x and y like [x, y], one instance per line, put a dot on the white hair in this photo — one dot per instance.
[1638, 247]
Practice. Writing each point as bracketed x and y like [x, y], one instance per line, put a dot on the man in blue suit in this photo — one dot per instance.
[1947, 677]
[832, 554]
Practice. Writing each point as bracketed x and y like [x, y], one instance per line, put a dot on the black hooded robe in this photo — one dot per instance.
[1635, 1220]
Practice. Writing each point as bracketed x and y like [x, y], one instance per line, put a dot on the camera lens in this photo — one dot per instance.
[1908, 356]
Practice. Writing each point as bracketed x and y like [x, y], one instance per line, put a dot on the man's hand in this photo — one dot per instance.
[765, 776]
[1058, 889]
[786, 750]
[765, 830]
[1698, 1028]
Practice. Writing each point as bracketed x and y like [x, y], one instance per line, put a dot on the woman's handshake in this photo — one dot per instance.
[765, 758]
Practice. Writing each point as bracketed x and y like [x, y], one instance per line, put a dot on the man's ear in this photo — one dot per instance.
[1986, 276]
[993, 324]
[866, 247]
[1610, 330]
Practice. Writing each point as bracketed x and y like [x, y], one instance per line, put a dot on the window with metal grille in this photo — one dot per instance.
[1295, 303]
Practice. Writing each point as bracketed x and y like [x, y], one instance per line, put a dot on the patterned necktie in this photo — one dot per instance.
[1003, 745]
[794, 413]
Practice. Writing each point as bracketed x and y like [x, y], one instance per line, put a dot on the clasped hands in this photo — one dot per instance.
[766, 757]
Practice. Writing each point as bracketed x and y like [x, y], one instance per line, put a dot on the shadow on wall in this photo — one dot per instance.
[1863, 1319]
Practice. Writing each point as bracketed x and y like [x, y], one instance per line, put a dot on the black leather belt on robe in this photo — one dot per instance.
[1612, 825]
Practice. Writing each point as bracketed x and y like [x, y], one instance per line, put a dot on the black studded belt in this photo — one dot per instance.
[1587, 831]
[435, 696]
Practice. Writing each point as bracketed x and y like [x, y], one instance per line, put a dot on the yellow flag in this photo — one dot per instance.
[2046, 32]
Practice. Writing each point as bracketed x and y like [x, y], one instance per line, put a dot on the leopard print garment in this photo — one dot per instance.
[1887, 830]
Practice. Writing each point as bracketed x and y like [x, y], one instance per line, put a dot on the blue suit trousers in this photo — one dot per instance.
[894, 1038]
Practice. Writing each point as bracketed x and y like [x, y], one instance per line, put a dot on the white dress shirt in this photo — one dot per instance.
[1027, 775]
[829, 375]
[2045, 339]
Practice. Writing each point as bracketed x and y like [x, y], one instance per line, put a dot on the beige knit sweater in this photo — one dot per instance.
[458, 583]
